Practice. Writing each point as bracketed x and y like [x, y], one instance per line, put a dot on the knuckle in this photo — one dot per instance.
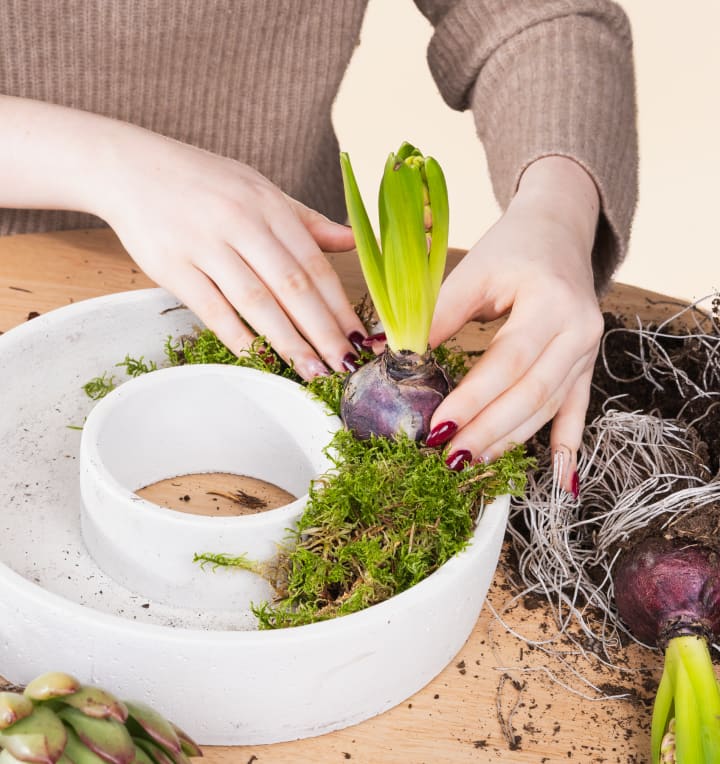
[539, 394]
[295, 283]
[252, 296]
[225, 209]
[318, 268]
[596, 325]
[270, 198]
[213, 312]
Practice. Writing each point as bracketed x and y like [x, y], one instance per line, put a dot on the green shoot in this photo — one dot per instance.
[404, 273]
[687, 705]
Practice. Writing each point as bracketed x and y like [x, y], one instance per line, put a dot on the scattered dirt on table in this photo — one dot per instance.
[621, 734]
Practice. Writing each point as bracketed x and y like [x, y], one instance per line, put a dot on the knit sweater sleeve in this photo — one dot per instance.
[548, 77]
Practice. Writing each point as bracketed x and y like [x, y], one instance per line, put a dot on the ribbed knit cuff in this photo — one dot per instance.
[551, 77]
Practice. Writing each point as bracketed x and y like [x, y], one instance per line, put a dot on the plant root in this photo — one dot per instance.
[648, 462]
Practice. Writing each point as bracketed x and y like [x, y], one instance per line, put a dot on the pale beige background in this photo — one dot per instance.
[389, 96]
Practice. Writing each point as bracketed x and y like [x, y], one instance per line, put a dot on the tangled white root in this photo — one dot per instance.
[634, 467]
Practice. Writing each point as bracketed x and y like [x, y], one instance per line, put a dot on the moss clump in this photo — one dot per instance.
[387, 515]
[205, 347]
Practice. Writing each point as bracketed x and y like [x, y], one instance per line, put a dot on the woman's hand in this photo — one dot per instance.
[226, 241]
[213, 231]
[534, 263]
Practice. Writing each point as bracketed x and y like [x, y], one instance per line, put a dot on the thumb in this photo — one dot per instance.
[330, 236]
[460, 300]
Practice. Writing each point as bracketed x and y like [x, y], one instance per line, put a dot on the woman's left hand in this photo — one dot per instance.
[534, 263]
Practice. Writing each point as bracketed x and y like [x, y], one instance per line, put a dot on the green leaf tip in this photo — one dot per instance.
[686, 713]
[403, 274]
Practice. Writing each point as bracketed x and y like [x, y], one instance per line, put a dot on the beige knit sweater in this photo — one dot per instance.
[256, 79]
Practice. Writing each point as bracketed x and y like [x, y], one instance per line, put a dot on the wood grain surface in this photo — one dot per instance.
[497, 690]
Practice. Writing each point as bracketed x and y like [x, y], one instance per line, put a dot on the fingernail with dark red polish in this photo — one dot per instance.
[379, 337]
[350, 362]
[458, 459]
[575, 485]
[357, 340]
[441, 433]
[315, 369]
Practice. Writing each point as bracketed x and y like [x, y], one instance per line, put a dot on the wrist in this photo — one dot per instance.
[560, 188]
[55, 157]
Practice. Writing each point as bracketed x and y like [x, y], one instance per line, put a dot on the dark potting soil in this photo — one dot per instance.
[619, 382]
[670, 397]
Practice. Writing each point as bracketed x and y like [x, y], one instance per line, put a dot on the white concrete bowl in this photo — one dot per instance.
[208, 670]
[186, 420]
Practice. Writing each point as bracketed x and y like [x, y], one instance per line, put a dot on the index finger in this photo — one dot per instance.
[513, 350]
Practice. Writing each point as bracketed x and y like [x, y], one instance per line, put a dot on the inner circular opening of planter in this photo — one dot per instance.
[203, 423]
[216, 494]
[225, 430]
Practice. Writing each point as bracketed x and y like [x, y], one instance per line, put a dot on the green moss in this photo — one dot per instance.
[215, 560]
[205, 347]
[453, 359]
[387, 515]
[135, 367]
[99, 387]
[328, 390]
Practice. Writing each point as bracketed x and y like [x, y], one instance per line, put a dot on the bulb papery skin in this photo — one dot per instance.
[392, 394]
[665, 588]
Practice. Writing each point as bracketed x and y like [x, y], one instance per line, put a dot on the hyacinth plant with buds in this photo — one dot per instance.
[399, 390]
[58, 720]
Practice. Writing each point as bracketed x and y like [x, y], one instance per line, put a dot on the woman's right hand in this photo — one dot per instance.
[234, 248]
[213, 231]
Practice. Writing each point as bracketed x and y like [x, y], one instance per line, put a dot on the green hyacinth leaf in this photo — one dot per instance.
[54, 684]
[78, 752]
[371, 260]
[105, 737]
[406, 150]
[189, 746]
[405, 255]
[404, 274]
[438, 193]
[38, 738]
[98, 703]
[155, 726]
[13, 707]
[662, 710]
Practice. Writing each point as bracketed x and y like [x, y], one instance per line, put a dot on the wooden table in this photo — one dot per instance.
[457, 717]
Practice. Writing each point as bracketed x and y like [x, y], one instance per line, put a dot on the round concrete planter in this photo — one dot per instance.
[195, 419]
[207, 669]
